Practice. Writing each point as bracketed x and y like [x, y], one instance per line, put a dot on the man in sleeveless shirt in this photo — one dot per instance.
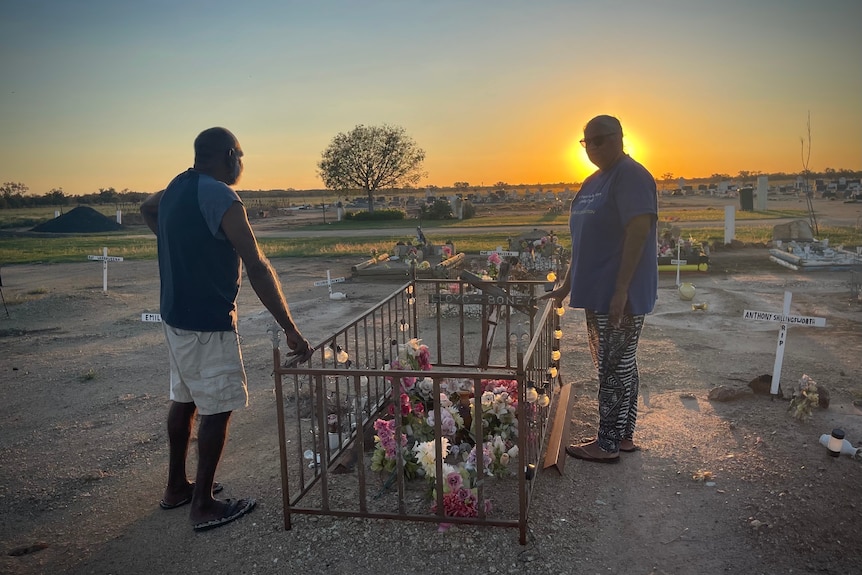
[204, 238]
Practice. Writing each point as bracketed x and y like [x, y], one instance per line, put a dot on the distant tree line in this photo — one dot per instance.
[16, 195]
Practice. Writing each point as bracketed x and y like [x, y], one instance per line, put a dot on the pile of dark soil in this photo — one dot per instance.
[82, 219]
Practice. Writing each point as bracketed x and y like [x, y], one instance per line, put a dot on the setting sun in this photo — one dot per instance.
[583, 167]
[581, 164]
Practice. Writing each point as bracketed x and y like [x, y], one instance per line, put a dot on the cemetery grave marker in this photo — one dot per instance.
[785, 319]
[328, 283]
[104, 258]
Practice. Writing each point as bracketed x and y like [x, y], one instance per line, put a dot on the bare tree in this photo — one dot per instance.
[806, 158]
[667, 178]
[371, 158]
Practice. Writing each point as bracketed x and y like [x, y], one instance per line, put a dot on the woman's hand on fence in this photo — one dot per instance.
[558, 294]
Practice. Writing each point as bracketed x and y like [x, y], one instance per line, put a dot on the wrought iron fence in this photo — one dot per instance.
[332, 458]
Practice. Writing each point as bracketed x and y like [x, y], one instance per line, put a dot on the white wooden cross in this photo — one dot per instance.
[678, 262]
[786, 320]
[328, 283]
[105, 259]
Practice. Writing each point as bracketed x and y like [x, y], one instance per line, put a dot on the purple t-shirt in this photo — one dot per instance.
[597, 220]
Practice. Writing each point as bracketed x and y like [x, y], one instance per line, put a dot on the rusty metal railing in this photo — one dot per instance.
[327, 407]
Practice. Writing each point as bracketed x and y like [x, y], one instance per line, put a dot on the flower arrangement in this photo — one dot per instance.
[412, 254]
[545, 246]
[386, 448]
[445, 253]
[805, 398]
[459, 500]
[494, 261]
[419, 408]
[412, 356]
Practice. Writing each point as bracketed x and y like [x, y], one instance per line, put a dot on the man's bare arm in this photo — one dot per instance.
[261, 274]
[150, 211]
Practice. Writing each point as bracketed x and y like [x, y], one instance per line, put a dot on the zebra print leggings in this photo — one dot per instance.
[614, 352]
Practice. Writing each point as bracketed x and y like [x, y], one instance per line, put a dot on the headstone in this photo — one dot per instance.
[761, 195]
[798, 230]
[729, 223]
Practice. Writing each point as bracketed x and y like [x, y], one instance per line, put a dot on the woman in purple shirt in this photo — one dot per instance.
[613, 277]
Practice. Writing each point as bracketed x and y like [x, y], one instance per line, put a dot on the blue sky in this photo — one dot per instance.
[111, 94]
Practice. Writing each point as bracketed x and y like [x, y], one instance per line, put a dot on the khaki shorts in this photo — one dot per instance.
[207, 369]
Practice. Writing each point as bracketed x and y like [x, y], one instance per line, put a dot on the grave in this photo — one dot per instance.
[417, 257]
[678, 255]
[539, 252]
[337, 413]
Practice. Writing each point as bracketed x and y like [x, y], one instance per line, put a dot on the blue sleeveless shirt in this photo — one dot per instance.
[198, 267]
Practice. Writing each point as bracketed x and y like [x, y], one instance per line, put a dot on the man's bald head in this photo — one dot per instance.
[218, 153]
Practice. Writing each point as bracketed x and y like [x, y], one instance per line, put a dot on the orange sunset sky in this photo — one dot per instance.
[103, 94]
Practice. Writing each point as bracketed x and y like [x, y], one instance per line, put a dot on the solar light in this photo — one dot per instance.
[341, 356]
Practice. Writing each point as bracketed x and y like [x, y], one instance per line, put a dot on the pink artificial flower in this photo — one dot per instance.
[405, 404]
[495, 259]
[447, 251]
[407, 384]
[386, 432]
[419, 409]
[454, 481]
[424, 358]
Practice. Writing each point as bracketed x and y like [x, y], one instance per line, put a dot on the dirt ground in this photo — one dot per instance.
[718, 487]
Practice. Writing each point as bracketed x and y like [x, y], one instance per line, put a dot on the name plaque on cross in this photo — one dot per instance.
[499, 252]
[104, 258]
[781, 318]
[786, 320]
[328, 283]
[151, 317]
